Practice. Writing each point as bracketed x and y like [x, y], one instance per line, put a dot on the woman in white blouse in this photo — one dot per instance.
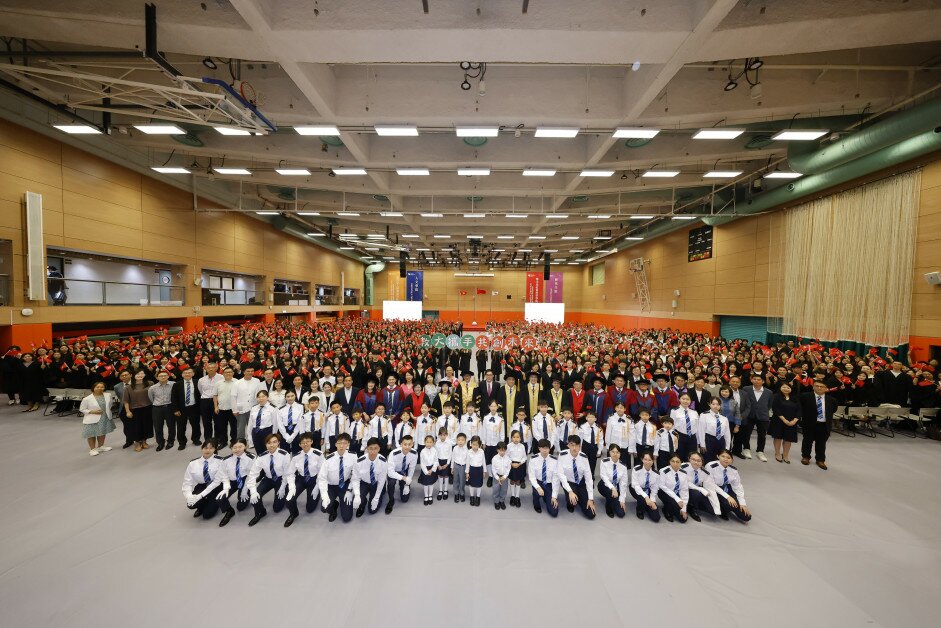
[96, 419]
[276, 396]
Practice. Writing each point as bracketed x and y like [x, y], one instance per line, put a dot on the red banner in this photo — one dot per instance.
[535, 288]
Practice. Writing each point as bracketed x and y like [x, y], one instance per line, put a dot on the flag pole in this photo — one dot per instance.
[475, 305]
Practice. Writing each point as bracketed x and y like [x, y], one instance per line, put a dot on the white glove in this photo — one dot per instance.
[291, 491]
[406, 489]
[283, 490]
[223, 494]
[357, 502]
[253, 497]
[348, 498]
[191, 500]
[245, 496]
[374, 503]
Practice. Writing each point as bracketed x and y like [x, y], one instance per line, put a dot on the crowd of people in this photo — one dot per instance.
[346, 413]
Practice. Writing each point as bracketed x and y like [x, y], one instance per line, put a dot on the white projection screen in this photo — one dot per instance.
[545, 313]
[401, 310]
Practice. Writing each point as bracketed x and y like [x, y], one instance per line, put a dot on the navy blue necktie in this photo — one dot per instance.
[676, 483]
[274, 477]
[689, 427]
[258, 418]
[187, 389]
[575, 470]
[647, 484]
[306, 466]
[614, 476]
[372, 472]
[544, 464]
[206, 477]
[342, 482]
[696, 477]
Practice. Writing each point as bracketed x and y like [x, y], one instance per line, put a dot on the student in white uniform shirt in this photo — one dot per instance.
[523, 426]
[290, 423]
[306, 466]
[491, 433]
[476, 469]
[575, 478]
[244, 393]
[336, 492]
[592, 438]
[405, 427]
[543, 475]
[516, 452]
[728, 487]
[261, 422]
[665, 444]
[270, 472]
[202, 482]
[702, 490]
[380, 428]
[424, 426]
[500, 467]
[359, 431]
[369, 479]
[428, 468]
[443, 447]
[235, 468]
[566, 427]
[645, 482]
[618, 432]
[401, 467]
[613, 484]
[686, 423]
[334, 424]
[313, 420]
[715, 430]
[643, 435]
[448, 420]
[470, 421]
[544, 424]
[674, 490]
[459, 467]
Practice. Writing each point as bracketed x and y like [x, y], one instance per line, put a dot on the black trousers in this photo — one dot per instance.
[685, 446]
[670, 505]
[643, 508]
[740, 440]
[367, 492]
[240, 504]
[816, 434]
[581, 492]
[190, 414]
[613, 503]
[390, 490]
[546, 498]
[126, 426]
[263, 487]
[337, 503]
[727, 509]
[163, 416]
[208, 506]
[305, 485]
[208, 417]
[225, 422]
[591, 450]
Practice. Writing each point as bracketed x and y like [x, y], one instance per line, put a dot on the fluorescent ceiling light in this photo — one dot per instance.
[778, 174]
[288, 172]
[170, 170]
[159, 129]
[344, 171]
[682, 217]
[635, 133]
[573, 251]
[348, 236]
[429, 215]
[442, 236]
[317, 129]
[537, 237]
[633, 238]
[412, 172]
[560, 131]
[557, 216]
[231, 171]
[606, 251]
[722, 174]
[717, 134]
[791, 134]
[228, 130]
[475, 237]
[376, 236]
[597, 173]
[661, 173]
[641, 217]
[308, 213]
[600, 237]
[599, 216]
[570, 237]
[396, 130]
[473, 172]
[505, 237]
[422, 249]
[317, 235]
[374, 248]
[572, 263]
[550, 250]
[77, 129]
[267, 213]
[391, 214]
[347, 213]
[525, 250]
[409, 235]
[347, 248]
[535, 172]
[477, 131]
[475, 215]
[498, 250]
[517, 215]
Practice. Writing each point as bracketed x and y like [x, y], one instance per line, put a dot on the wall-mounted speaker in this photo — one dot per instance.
[933, 278]
[545, 267]
[403, 256]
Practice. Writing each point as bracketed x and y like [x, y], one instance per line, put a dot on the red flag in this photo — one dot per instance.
[481, 291]
[463, 293]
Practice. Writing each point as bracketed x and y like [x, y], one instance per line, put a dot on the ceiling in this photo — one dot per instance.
[612, 63]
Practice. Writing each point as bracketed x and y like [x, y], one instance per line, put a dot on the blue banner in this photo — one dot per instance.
[414, 285]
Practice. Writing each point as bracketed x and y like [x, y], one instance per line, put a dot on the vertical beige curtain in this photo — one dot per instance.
[842, 268]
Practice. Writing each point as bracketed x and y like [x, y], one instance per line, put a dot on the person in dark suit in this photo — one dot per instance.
[346, 395]
[817, 410]
[756, 413]
[894, 385]
[482, 356]
[699, 395]
[489, 390]
[184, 400]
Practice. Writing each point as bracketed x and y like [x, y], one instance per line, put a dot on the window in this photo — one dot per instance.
[597, 275]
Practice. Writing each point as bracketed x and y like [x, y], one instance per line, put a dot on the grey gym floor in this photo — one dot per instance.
[107, 541]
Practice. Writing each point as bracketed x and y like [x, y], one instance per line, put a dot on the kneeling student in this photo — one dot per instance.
[728, 483]
[500, 471]
[274, 468]
[400, 468]
[702, 490]
[644, 484]
[306, 465]
[203, 481]
[674, 490]
[613, 485]
[543, 475]
[575, 478]
[336, 494]
[235, 468]
[369, 479]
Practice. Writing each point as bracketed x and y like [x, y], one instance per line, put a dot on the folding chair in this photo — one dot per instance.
[890, 415]
[73, 394]
[838, 417]
[55, 396]
[863, 418]
[925, 413]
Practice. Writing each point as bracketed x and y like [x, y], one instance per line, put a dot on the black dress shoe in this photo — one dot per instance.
[289, 521]
[640, 512]
[181, 447]
[489, 482]
[608, 510]
[389, 508]
[522, 484]
[496, 506]
[537, 507]
[197, 443]
[226, 518]
[445, 496]
[457, 498]
[360, 511]
[462, 498]
[668, 516]
[159, 447]
[570, 508]
[439, 496]
[256, 519]
[723, 516]
[694, 515]
[126, 445]
[333, 515]
[197, 513]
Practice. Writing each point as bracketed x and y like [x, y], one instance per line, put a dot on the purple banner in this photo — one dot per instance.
[553, 289]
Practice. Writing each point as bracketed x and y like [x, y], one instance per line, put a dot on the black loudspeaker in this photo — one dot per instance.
[403, 255]
[545, 267]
